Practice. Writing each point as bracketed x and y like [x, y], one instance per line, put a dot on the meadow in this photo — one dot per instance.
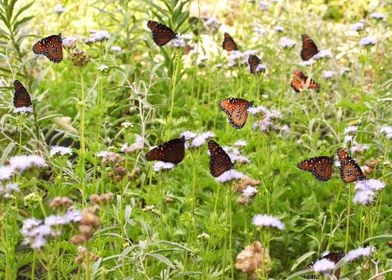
[79, 197]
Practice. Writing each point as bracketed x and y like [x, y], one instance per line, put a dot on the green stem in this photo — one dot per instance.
[348, 218]
[82, 137]
[173, 85]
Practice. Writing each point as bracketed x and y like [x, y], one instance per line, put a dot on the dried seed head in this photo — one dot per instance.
[250, 260]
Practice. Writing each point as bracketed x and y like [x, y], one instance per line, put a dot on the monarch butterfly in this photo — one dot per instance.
[309, 48]
[21, 96]
[253, 62]
[228, 43]
[51, 47]
[320, 167]
[161, 34]
[172, 151]
[349, 169]
[299, 82]
[220, 161]
[236, 110]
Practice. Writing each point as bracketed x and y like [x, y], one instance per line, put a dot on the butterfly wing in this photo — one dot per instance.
[349, 169]
[253, 62]
[299, 80]
[51, 47]
[172, 151]
[220, 161]
[309, 48]
[161, 34]
[21, 96]
[228, 43]
[236, 110]
[320, 167]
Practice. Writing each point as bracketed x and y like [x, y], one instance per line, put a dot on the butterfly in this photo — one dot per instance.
[334, 257]
[349, 169]
[299, 82]
[51, 47]
[21, 96]
[161, 34]
[228, 43]
[320, 167]
[253, 62]
[236, 110]
[220, 161]
[309, 48]
[172, 151]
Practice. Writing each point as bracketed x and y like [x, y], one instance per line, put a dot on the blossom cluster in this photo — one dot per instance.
[269, 119]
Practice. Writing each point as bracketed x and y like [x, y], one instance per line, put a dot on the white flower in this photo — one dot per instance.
[54, 220]
[264, 5]
[387, 130]
[116, 49]
[229, 176]
[235, 155]
[10, 188]
[22, 110]
[126, 124]
[308, 62]
[348, 138]
[261, 68]
[377, 15]
[177, 43]
[72, 216]
[368, 41]
[202, 138]
[350, 130]
[103, 68]
[359, 252]
[188, 134]
[256, 110]
[212, 24]
[136, 146]
[324, 266]
[97, 36]
[322, 54]
[108, 156]
[357, 26]
[60, 150]
[6, 172]
[369, 184]
[240, 143]
[267, 221]
[161, 165]
[359, 148]
[286, 43]
[279, 28]
[249, 191]
[364, 197]
[59, 9]
[70, 42]
[23, 162]
[328, 74]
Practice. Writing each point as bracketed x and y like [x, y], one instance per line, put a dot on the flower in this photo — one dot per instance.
[177, 43]
[229, 176]
[264, 5]
[308, 62]
[323, 265]
[328, 74]
[70, 42]
[136, 146]
[212, 24]
[359, 252]
[387, 130]
[286, 43]
[364, 197]
[358, 148]
[103, 68]
[108, 156]
[7, 190]
[348, 138]
[161, 165]
[377, 16]
[23, 162]
[350, 130]
[6, 172]
[357, 26]
[322, 54]
[235, 155]
[202, 138]
[249, 191]
[240, 143]
[97, 36]
[267, 221]
[116, 49]
[188, 134]
[60, 150]
[369, 184]
[59, 9]
[24, 109]
[279, 28]
[368, 41]
[261, 68]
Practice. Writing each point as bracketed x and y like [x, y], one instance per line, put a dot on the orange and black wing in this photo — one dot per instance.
[253, 62]
[21, 96]
[321, 167]
[236, 110]
[51, 47]
[172, 151]
[350, 171]
[309, 48]
[299, 82]
[220, 161]
[228, 43]
[161, 34]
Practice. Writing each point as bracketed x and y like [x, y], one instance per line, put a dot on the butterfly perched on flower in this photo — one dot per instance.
[299, 82]
[228, 43]
[172, 151]
[220, 161]
[349, 169]
[321, 167]
[253, 62]
[309, 48]
[334, 257]
[51, 47]
[161, 34]
[236, 110]
[21, 96]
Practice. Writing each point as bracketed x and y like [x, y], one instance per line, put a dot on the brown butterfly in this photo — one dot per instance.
[161, 34]
[228, 43]
[172, 151]
[349, 169]
[253, 62]
[299, 82]
[21, 96]
[220, 161]
[320, 167]
[236, 110]
[309, 48]
[51, 47]
[334, 257]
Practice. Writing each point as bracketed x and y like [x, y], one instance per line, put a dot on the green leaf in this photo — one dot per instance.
[162, 259]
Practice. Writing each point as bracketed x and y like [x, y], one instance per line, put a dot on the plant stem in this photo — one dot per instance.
[348, 218]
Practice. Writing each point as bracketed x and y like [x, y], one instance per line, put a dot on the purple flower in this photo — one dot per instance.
[368, 41]
[267, 221]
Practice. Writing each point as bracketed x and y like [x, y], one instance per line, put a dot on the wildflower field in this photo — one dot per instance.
[209, 139]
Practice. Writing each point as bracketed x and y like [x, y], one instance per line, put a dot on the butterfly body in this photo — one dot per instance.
[172, 151]
[236, 110]
[21, 96]
[309, 48]
[253, 62]
[220, 161]
[299, 82]
[228, 43]
[349, 169]
[51, 47]
[321, 167]
[161, 34]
